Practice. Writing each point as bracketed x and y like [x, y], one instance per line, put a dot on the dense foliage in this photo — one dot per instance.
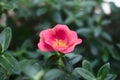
[97, 58]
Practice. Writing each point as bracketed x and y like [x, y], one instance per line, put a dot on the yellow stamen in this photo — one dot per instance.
[59, 43]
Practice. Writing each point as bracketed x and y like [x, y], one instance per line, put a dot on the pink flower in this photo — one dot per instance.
[60, 38]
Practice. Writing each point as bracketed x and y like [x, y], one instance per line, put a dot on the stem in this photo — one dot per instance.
[60, 61]
[59, 54]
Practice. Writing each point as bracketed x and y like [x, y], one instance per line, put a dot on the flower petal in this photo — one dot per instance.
[71, 48]
[44, 47]
[61, 32]
[72, 37]
[48, 36]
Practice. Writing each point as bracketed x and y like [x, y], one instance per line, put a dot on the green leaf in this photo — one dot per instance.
[85, 74]
[84, 31]
[106, 36]
[74, 58]
[86, 65]
[94, 50]
[97, 31]
[29, 68]
[2, 76]
[105, 55]
[78, 22]
[57, 17]
[105, 22]
[5, 38]
[67, 64]
[39, 75]
[0, 48]
[10, 64]
[114, 53]
[111, 77]
[118, 45]
[52, 60]
[41, 11]
[103, 71]
[53, 74]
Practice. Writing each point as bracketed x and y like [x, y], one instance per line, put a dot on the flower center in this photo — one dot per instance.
[59, 43]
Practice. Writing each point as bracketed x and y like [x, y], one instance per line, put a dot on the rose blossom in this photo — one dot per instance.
[60, 38]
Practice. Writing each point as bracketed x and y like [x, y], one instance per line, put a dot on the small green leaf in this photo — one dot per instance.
[114, 53]
[39, 75]
[52, 60]
[53, 74]
[103, 71]
[85, 74]
[94, 50]
[105, 55]
[10, 64]
[57, 17]
[41, 11]
[2, 76]
[106, 36]
[78, 22]
[86, 65]
[97, 31]
[84, 30]
[118, 45]
[5, 38]
[0, 48]
[111, 77]
[73, 58]
[29, 68]
[67, 64]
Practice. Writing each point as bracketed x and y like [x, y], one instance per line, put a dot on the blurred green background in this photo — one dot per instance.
[97, 24]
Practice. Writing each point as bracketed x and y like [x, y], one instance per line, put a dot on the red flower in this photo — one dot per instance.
[60, 38]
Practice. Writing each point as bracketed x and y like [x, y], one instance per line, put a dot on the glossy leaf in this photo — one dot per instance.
[94, 49]
[86, 65]
[84, 30]
[106, 36]
[111, 77]
[105, 56]
[39, 75]
[29, 68]
[53, 74]
[85, 74]
[67, 64]
[41, 11]
[57, 17]
[5, 38]
[0, 48]
[114, 53]
[97, 31]
[118, 45]
[52, 60]
[103, 71]
[10, 64]
[74, 58]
